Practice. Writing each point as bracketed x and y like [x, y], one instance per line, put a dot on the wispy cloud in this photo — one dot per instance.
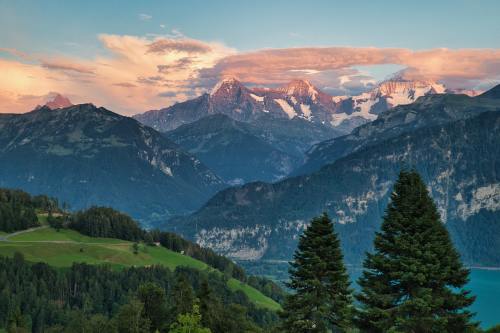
[166, 45]
[145, 17]
[66, 65]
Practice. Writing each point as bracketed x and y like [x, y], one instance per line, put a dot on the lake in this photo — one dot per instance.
[485, 284]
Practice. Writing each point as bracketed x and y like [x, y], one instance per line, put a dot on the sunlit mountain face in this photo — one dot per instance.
[298, 98]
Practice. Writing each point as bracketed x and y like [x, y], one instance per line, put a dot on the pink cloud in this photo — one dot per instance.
[278, 66]
[66, 65]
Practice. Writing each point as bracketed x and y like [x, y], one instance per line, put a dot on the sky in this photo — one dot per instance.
[133, 56]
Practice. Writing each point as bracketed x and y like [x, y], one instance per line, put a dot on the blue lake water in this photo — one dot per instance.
[485, 284]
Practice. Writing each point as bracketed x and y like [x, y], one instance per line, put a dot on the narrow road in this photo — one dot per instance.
[5, 238]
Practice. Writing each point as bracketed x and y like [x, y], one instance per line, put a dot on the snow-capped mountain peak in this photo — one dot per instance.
[301, 88]
[226, 86]
[400, 91]
[56, 101]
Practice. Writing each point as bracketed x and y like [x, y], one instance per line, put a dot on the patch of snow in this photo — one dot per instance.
[286, 107]
[257, 98]
[338, 118]
[337, 99]
[306, 110]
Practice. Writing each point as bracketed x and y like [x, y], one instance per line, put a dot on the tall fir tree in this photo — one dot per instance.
[182, 295]
[321, 301]
[413, 281]
[210, 307]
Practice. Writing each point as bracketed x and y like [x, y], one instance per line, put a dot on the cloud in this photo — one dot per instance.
[145, 17]
[167, 45]
[125, 84]
[464, 67]
[168, 94]
[180, 64]
[66, 65]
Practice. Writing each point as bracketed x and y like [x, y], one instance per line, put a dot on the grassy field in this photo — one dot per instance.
[64, 235]
[255, 295]
[63, 248]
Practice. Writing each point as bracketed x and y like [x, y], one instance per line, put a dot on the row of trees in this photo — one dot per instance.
[106, 222]
[412, 282]
[18, 209]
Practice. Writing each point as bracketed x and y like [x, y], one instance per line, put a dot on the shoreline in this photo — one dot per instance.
[485, 268]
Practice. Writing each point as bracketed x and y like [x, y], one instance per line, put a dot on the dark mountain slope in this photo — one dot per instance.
[86, 155]
[233, 150]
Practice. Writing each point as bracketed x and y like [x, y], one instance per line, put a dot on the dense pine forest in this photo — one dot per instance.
[85, 298]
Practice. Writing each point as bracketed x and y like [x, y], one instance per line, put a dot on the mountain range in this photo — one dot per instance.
[261, 134]
[85, 155]
[445, 137]
[299, 98]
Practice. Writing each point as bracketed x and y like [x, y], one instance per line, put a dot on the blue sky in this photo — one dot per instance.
[137, 55]
[72, 26]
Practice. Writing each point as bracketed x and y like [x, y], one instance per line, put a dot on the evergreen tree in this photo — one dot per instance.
[130, 319]
[183, 295]
[153, 297]
[322, 298]
[210, 306]
[189, 323]
[412, 282]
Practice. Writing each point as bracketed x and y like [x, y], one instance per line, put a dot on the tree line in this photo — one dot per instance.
[18, 209]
